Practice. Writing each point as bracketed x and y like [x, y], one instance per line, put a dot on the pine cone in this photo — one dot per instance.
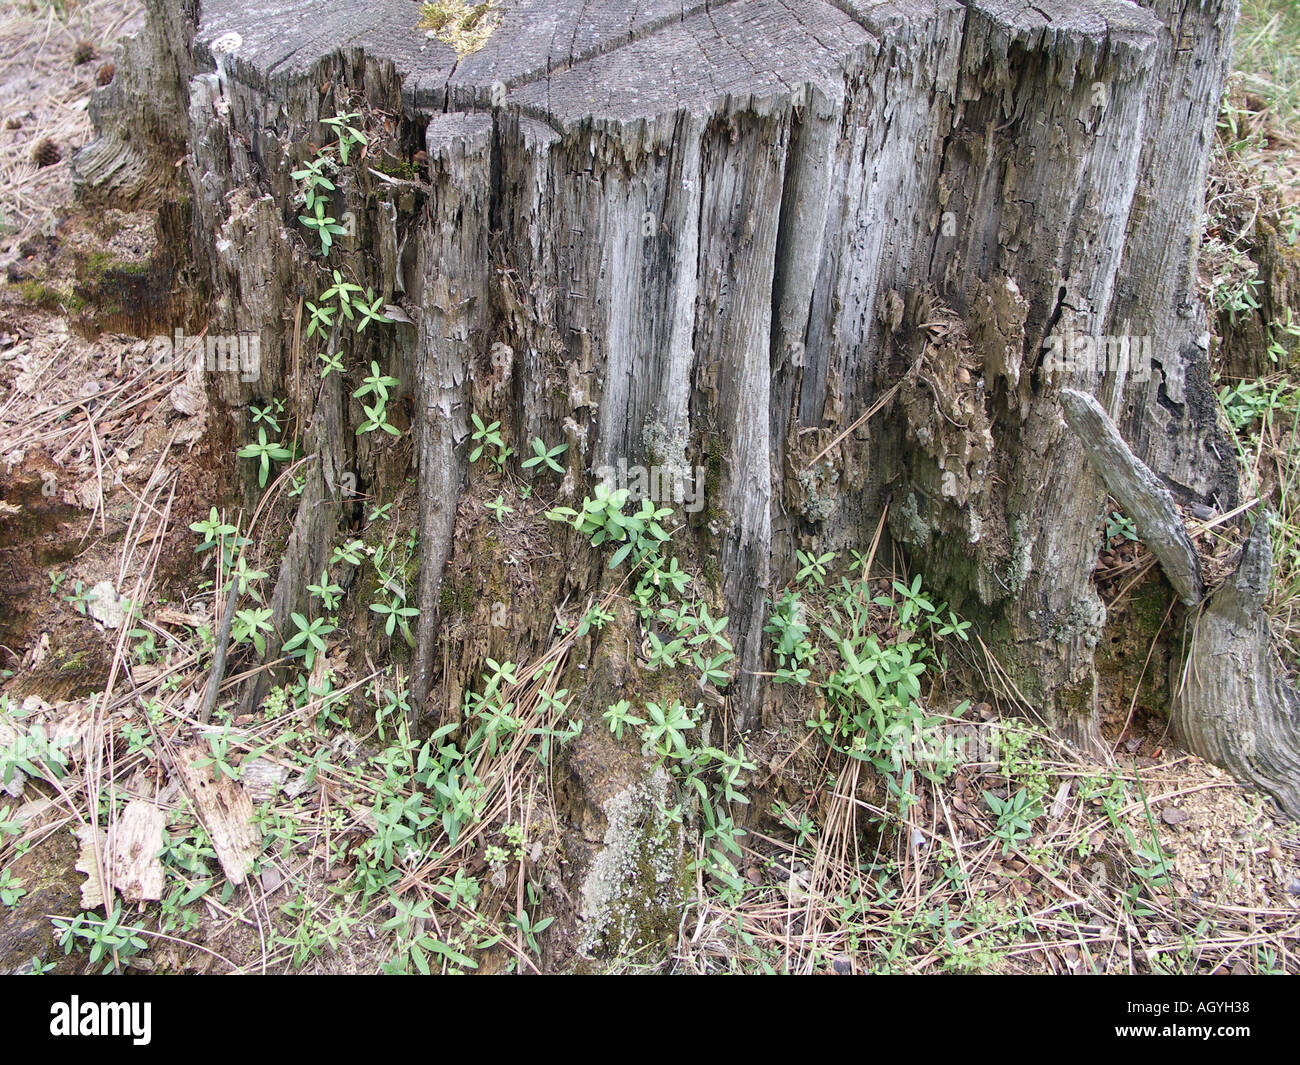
[105, 74]
[83, 53]
[45, 152]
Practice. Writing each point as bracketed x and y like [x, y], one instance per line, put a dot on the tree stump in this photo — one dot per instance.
[709, 238]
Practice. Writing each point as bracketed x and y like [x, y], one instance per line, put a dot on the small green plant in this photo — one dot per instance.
[322, 319]
[328, 593]
[1279, 332]
[31, 754]
[1120, 525]
[326, 227]
[1015, 817]
[1233, 290]
[341, 292]
[265, 453]
[396, 615]
[106, 939]
[870, 708]
[351, 553]
[662, 655]
[79, 598]
[639, 534]
[371, 311]
[269, 415]
[221, 747]
[1249, 402]
[486, 436]
[376, 419]
[315, 183]
[214, 531]
[11, 888]
[348, 134]
[137, 739]
[542, 456]
[803, 826]
[377, 384]
[619, 717]
[309, 640]
[666, 727]
[500, 508]
[813, 567]
[530, 929]
[247, 577]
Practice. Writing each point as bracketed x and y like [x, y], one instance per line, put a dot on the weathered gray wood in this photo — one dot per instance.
[1171, 419]
[1144, 499]
[807, 171]
[1232, 702]
[454, 303]
[140, 116]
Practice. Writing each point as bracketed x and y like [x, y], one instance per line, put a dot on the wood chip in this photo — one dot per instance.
[93, 840]
[262, 778]
[1061, 802]
[137, 871]
[225, 810]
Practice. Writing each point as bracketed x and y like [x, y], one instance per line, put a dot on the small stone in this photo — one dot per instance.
[842, 965]
[1172, 815]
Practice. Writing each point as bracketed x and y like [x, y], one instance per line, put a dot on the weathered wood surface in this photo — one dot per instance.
[1144, 499]
[1232, 701]
[714, 234]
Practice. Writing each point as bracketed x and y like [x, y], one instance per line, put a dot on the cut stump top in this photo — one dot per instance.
[567, 60]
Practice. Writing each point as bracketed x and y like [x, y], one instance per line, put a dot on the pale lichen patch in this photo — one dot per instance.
[634, 890]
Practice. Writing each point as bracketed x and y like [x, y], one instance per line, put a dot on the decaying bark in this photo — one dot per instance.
[713, 235]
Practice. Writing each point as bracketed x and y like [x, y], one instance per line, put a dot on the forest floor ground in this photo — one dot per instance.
[1020, 857]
